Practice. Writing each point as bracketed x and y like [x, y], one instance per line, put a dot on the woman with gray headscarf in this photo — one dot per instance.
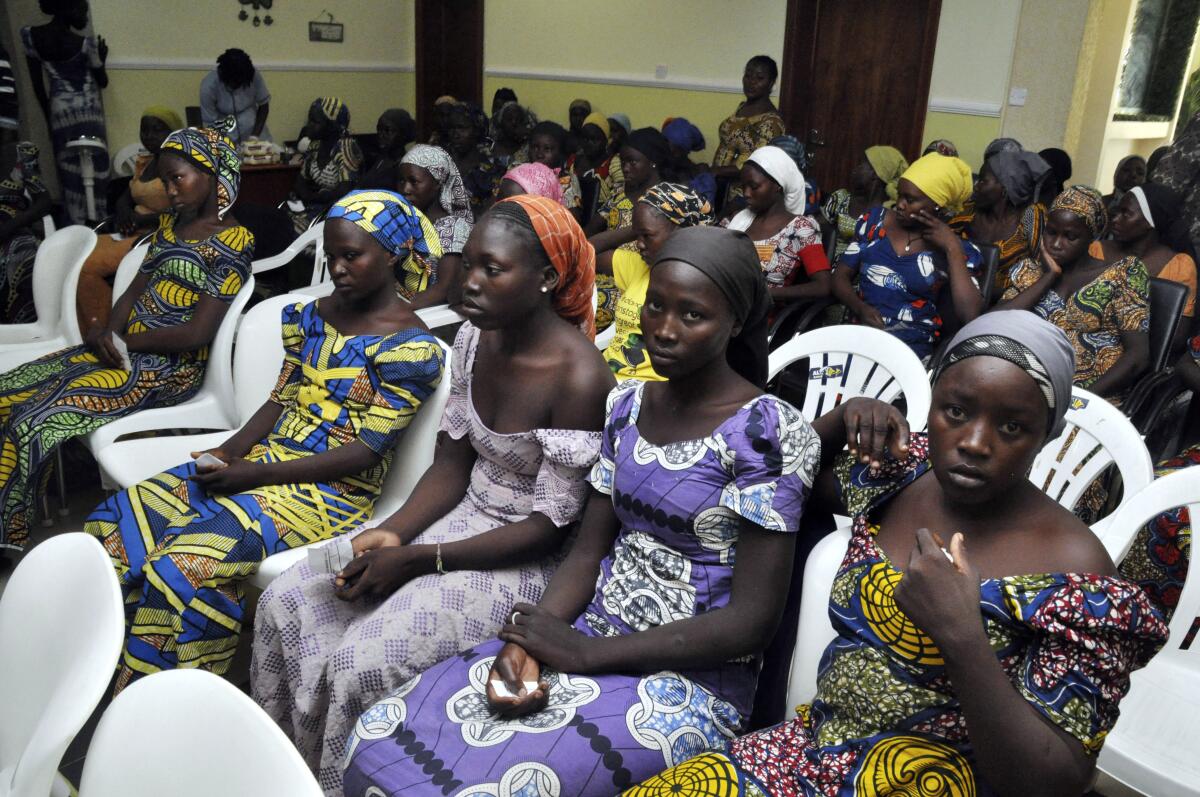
[1004, 213]
[984, 639]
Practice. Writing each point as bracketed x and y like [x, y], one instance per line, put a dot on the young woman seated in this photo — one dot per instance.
[658, 213]
[1104, 308]
[331, 163]
[644, 648]
[487, 523]
[905, 257]
[307, 466]
[197, 262]
[788, 242]
[984, 639]
[431, 182]
[537, 179]
[24, 200]
[873, 183]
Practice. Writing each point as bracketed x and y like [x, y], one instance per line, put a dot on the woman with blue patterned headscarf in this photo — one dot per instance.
[331, 163]
[399, 228]
[198, 261]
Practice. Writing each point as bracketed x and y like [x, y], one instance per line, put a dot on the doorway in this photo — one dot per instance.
[449, 55]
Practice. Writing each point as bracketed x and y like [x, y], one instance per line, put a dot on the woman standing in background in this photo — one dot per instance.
[73, 109]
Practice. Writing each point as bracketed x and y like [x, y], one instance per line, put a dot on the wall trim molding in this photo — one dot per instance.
[964, 107]
[187, 64]
[617, 79]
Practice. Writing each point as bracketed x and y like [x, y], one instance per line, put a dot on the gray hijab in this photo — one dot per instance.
[1020, 173]
[1028, 341]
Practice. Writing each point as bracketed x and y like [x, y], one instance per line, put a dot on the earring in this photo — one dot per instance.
[545, 289]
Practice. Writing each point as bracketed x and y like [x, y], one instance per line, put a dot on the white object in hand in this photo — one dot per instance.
[207, 460]
[331, 557]
[122, 350]
[501, 689]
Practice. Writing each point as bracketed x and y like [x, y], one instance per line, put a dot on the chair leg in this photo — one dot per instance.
[47, 518]
[63, 509]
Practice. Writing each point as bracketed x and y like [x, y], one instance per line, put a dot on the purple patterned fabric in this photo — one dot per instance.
[681, 507]
[319, 661]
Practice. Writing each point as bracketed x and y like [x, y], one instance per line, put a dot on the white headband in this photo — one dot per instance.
[1140, 196]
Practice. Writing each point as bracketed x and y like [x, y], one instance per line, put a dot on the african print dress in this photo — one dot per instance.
[320, 661]
[181, 552]
[617, 213]
[886, 719]
[343, 166]
[1026, 241]
[1093, 317]
[69, 393]
[904, 288]
[17, 253]
[680, 507]
[76, 111]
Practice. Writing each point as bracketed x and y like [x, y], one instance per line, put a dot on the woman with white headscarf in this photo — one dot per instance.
[784, 236]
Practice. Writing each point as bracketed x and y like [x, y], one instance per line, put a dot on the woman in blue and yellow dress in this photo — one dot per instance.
[996, 667]
[307, 466]
[198, 260]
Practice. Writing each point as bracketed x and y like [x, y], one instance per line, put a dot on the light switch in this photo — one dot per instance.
[660, 72]
[1017, 96]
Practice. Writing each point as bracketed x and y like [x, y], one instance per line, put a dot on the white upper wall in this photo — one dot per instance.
[974, 56]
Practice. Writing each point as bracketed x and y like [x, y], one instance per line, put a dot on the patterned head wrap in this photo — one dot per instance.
[1086, 203]
[165, 115]
[999, 145]
[943, 146]
[399, 228]
[334, 109]
[682, 206]
[537, 179]
[1028, 341]
[599, 120]
[683, 134]
[781, 168]
[454, 198]
[571, 255]
[795, 150]
[888, 163]
[945, 180]
[211, 149]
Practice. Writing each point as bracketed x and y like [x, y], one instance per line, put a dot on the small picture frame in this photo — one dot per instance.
[326, 32]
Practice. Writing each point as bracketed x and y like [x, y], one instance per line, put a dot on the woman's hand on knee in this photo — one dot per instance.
[508, 692]
[237, 476]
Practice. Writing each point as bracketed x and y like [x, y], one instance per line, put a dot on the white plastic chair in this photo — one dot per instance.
[848, 361]
[62, 624]
[1152, 748]
[313, 236]
[126, 270]
[1105, 436]
[189, 733]
[213, 405]
[57, 263]
[814, 630]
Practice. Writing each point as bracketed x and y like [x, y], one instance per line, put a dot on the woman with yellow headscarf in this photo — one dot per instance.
[906, 257]
[872, 183]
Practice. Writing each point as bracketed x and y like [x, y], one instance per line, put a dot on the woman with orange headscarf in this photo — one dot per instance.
[486, 524]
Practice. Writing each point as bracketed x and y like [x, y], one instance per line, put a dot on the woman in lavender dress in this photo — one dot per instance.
[486, 524]
[644, 649]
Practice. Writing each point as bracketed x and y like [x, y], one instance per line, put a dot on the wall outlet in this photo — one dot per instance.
[1017, 96]
[660, 72]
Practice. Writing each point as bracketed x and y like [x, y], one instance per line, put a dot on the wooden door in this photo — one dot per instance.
[855, 74]
[449, 56]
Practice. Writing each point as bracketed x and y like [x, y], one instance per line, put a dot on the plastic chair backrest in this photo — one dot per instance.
[218, 373]
[62, 624]
[258, 354]
[815, 632]
[189, 733]
[847, 361]
[128, 268]
[57, 265]
[991, 262]
[1167, 299]
[1097, 435]
[313, 236]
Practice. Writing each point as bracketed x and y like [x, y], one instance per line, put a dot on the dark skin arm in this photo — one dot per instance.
[240, 474]
[39, 207]
[942, 597]
[968, 301]
[818, 286]
[196, 333]
[439, 293]
[596, 225]
[1128, 366]
[260, 119]
[611, 239]
[100, 73]
[843, 291]
[1028, 298]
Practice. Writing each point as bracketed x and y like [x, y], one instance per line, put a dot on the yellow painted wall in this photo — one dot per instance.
[970, 134]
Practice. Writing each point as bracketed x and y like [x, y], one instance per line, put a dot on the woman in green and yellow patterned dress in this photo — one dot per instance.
[307, 466]
[995, 667]
[197, 262]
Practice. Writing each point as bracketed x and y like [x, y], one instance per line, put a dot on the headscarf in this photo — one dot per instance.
[1019, 172]
[453, 198]
[623, 120]
[211, 149]
[399, 228]
[781, 168]
[599, 120]
[1086, 203]
[406, 128]
[580, 103]
[1162, 208]
[942, 145]
[536, 178]
[335, 110]
[682, 206]
[999, 145]
[650, 143]
[729, 259]
[1060, 164]
[947, 181]
[683, 134]
[571, 255]
[888, 163]
[794, 149]
[446, 99]
[165, 115]
[1028, 341]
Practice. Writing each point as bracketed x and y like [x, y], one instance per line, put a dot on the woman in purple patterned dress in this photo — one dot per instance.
[485, 526]
[645, 648]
